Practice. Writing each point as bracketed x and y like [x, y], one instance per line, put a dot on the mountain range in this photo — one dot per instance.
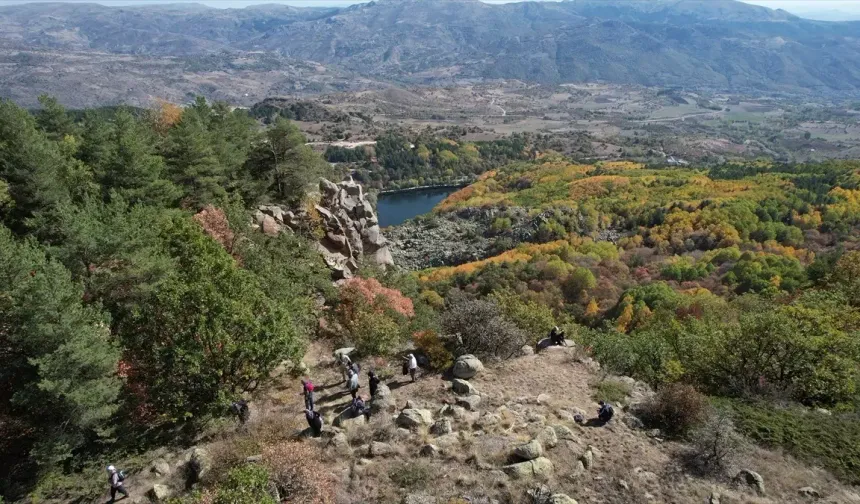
[715, 44]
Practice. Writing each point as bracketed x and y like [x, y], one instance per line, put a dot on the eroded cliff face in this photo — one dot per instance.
[349, 226]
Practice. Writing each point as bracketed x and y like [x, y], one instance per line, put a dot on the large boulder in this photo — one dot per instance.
[547, 437]
[467, 366]
[414, 418]
[159, 493]
[539, 467]
[470, 403]
[528, 451]
[441, 427]
[751, 479]
[561, 499]
[199, 464]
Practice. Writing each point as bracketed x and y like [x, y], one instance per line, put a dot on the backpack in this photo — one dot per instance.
[405, 368]
[120, 475]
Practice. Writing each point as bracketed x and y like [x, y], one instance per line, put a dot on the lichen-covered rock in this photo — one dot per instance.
[441, 427]
[751, 479]
[414, 418]
[540, 466]
[587, 459]
[159, 493]
[470, 403]
[160, 467]
[528, 451]
[809, 493]
[463, 387]
[547, 437]
[561, 499]
[429, 450]
[467, 366]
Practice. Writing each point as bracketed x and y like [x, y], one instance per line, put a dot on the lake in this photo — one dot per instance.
[397, 207]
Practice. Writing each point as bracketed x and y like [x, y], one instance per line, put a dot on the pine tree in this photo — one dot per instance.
[54, 120]
[192, 162]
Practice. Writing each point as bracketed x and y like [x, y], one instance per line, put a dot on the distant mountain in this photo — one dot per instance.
[721, 44]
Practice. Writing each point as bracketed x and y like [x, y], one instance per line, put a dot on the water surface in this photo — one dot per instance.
[397, 207]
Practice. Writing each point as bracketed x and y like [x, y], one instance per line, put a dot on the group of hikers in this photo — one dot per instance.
[350, 373]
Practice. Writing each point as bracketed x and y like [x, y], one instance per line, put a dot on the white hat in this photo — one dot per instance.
[111, 468]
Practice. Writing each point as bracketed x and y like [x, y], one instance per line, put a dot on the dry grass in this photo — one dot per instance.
[297, 469]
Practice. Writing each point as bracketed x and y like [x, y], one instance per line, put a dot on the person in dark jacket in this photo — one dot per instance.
[116, 483]
[359, 407]
[314, 422]
[241, 410]
[374, 383]
[308, 392]
[605, 413]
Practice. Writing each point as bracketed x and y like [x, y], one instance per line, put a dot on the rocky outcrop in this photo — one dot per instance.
[467, 366]
[349, 226]
[528, 451]
[751, 479]
[414, 418]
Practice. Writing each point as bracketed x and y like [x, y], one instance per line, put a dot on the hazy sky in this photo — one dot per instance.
[799, 6]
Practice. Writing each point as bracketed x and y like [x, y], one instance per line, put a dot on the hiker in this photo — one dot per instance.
[115, 478]
[412, 365]
[355, 367]
[346, 365]
[374, 383]
[352, 383]
[556, 337]
[308, 392]
[241, 410]
[604, 414]
[314, 422]
[359, 407]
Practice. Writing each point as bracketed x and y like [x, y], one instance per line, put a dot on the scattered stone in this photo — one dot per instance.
[441, 427]
[429, 450]
[414, 418]
[548, 438]
[463, 387]
[419, 499]
[561, 499]
[543, 398]
[536, 418]
[467, 366]
[587, 459]
[633, 422]
[159, 493]
[646, 476]
[562, 432]
[714, 498]
[470, 403]
[488, 420]
[526, 350]
[822, 411]
[160, 467]
[564, 415]
[623, 485]
[457, 412]
[538, 467]
[378, 449]
[752, 479]
[254, 459]
[809, 493]
[340, 352]
[529, 451]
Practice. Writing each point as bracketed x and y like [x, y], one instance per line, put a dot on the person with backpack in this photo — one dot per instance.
[359, 407]
[352, 383]
[241, 410]
[411, 365]
[605, 413]
[115, 479]
[374, 383]
[314, 422]
[308, 392]
[346, 365]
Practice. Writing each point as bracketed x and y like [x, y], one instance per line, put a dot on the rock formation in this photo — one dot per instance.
[349, 225]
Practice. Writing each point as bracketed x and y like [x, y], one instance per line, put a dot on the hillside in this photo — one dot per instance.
[719, 45]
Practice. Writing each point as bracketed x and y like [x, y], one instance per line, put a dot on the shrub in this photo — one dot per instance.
[298, 472]
[482, 330]
[412, 475]
[714, 445]
[613, 391]
[676, 409]
[374, 315]
[247, 484]
[429, 343]
[433, 299]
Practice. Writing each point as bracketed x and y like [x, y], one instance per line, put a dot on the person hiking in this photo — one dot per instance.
[314, 422]
[346, 365]
[605, 413]
[352, 383]
[308, 392]
[412, 365]
[241, 410]
[359, 407]
[374, 383]
[115, 479]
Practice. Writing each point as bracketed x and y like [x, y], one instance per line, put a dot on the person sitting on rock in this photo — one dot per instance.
[605, 413]
[352, 383]
[374, 383]
[308, 392]
[314, 422]
[556, 337]
[359, 407]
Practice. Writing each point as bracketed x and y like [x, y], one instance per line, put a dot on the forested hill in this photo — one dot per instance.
[721, 44]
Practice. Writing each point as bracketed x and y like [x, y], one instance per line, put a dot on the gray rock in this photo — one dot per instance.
[254, 459]
[587, 459]
[547, 437]
[160, 467]
[414, 418]
[467, 366]
[463, 387]
[714, 498]
[633, 422]
[159, 493]
[809, 493]
[441, 427]
[542, 466]
[470, 403]
[538, 467]
[348, 422]
[199, 464]
[457, 412]
[340, 352]
[527, 350]
[447, 441]
[340, 443]
[419, 499]
[528, 451]
[543, 398]
[429, 450]
[751, 479]
[562, 432]
[561, 499]
[378, 449]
